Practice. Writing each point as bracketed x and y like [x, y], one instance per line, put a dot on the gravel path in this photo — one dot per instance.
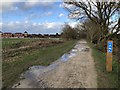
[77, 72]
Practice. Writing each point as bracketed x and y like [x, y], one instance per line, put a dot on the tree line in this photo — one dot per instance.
[100, 21]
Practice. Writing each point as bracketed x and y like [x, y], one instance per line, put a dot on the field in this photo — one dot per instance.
[11, 42]
[20, 54]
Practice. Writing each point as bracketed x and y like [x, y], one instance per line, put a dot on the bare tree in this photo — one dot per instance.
[68, 32]
[92, 30]
[81, 32]
[101, 11]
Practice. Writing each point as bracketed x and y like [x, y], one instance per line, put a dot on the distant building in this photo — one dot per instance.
[19, 35]
[25, 34]
[7, 35]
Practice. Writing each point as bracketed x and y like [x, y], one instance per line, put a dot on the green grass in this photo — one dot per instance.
[105, 79]
[40, 56]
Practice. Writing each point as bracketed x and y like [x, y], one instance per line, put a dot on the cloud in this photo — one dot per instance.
[17, 22]
[6, 5]
[61, 14]
[1, 26]
[11, 23]
[1, 23]
[31, 3]
[26, 21]
[33, 27]
[37, 15]
[72, 24]
[48, 13]
[61, 5]
[70, 6]
[34, 24]
[51, 25]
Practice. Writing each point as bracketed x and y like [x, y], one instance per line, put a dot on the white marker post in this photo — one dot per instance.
[109, 56]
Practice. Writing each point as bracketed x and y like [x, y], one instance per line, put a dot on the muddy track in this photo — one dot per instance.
[77, 72]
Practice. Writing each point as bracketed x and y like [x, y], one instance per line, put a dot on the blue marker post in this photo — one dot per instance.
[109, 56]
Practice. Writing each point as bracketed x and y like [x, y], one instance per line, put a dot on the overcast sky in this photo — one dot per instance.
[33, 16]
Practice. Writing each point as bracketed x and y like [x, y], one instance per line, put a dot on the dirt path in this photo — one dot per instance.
[77, 72]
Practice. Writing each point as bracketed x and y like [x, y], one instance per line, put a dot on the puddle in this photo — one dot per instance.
[67, 56]
[70, 54]
[36, 71]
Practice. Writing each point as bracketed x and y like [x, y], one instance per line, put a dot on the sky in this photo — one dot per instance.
[33, 16]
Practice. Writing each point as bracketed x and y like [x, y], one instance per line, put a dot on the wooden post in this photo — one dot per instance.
[109, 56]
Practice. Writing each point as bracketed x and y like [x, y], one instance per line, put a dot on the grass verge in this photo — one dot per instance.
[105, 79]
[42, 56]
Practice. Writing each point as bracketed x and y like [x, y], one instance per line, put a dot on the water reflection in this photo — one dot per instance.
[67, 56]
[36, 71]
